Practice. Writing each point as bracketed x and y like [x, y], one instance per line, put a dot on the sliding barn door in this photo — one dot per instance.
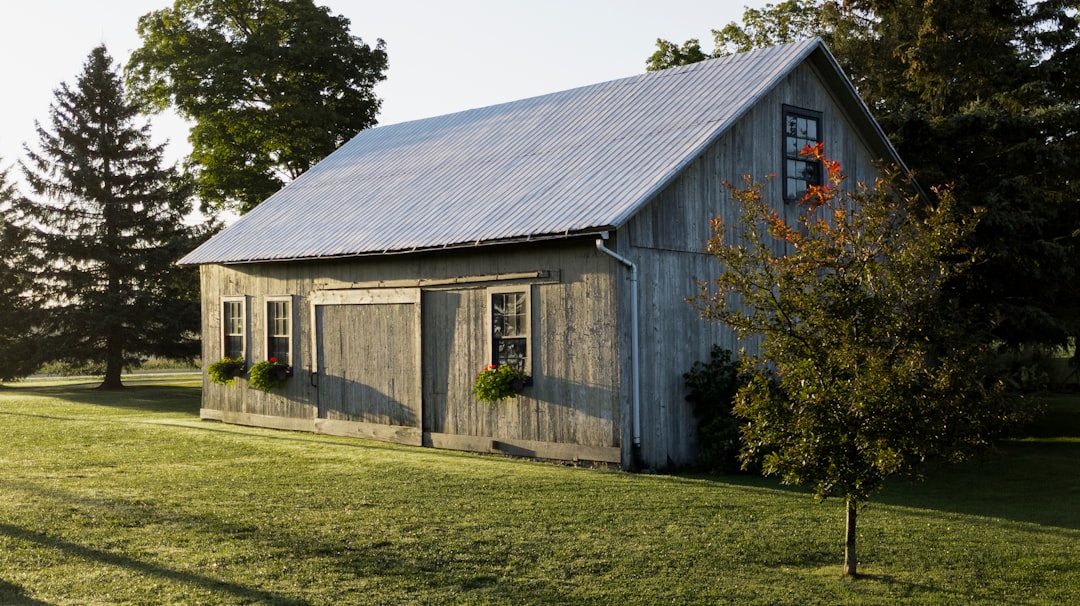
[367, 346]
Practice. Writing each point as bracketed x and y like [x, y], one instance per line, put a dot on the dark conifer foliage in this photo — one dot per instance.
[104, 226]
[18, 346]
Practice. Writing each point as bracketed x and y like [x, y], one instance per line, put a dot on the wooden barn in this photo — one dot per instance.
[560, 234]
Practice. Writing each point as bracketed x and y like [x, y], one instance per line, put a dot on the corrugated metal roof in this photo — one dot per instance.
[569, 162]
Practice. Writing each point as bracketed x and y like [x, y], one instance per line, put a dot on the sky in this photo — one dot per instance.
[444, 56]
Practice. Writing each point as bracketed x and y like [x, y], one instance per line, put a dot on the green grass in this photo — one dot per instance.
[128, 498]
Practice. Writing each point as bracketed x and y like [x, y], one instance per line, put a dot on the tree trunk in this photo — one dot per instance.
[850, 561]
[114, 366]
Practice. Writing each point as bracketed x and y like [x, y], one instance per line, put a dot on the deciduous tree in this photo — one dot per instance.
[271, 86]
[865, 368]
[103, 227]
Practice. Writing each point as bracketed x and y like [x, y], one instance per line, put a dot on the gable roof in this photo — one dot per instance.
[573, 162]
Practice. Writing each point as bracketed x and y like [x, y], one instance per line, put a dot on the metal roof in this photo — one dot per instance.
[571, 162]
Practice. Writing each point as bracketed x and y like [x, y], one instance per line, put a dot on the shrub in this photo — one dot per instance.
[711, 390]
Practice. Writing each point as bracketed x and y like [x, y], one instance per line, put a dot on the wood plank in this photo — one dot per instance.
[546, 275]
[365, 296]
[268, 421]
[396, 434]
[451, 441]
[558, 452]
[210, 414]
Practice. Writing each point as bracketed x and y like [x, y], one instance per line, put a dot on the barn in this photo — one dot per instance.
[560, 234]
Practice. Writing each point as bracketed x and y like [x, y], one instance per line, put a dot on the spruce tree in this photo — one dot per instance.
[18, 347]
[104, 227]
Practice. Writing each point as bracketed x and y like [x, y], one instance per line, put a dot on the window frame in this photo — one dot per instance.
[788, 157]
[492, 341]
[268, 337]
[241, 301]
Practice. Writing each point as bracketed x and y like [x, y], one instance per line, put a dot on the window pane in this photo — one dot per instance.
[508, 314]
[279, 349]
[512, 352]
[234, 347]
[278, 331]
[233, 329]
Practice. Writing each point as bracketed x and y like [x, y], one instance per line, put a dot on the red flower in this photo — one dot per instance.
[273, 359]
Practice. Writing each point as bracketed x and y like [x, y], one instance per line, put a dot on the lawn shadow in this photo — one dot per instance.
[1032, 481]
[366, 557]
[122, 561]
[14, 595]
[1028, 480]
[157, 398]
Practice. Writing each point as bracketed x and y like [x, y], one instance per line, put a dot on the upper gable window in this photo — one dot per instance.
[802, 127]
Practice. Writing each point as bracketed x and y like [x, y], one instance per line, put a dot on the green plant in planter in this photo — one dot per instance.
[269, 374]
[496, 383]
[225, 370]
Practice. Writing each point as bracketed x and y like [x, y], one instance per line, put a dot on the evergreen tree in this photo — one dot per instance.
[18, 346]
[104, 229]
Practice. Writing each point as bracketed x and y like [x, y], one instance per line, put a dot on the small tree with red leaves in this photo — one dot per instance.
[863, 369]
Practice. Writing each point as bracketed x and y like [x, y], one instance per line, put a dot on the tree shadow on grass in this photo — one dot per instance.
[14, 595]
[1033, 481]
[349, 561]
[166, 399]
[114, 559]
[1029, 480]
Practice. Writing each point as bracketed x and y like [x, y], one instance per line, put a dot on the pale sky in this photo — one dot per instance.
[444, 56]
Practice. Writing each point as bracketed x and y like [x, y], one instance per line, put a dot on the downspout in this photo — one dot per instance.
[635, 352]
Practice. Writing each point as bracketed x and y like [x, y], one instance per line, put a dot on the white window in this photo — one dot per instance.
[234, 327]
[279, 329]
[511, 328]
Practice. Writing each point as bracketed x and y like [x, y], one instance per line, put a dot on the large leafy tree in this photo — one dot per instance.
[271, 86]
[18, 345]
[866, 368]
[103, 227]
[982, 94]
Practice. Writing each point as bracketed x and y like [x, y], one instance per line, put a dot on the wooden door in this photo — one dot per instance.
[367, 345]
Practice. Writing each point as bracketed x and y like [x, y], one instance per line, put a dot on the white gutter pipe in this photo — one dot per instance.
[635, 351]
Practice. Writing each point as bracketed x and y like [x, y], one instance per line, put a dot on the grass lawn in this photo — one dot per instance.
[128, 498]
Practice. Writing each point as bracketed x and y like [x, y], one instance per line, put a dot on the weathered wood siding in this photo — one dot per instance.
[667, 240]
[372, 355]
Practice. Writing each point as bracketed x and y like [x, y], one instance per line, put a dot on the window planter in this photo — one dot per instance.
[269, 374]
[226, 370]
[496, 383]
